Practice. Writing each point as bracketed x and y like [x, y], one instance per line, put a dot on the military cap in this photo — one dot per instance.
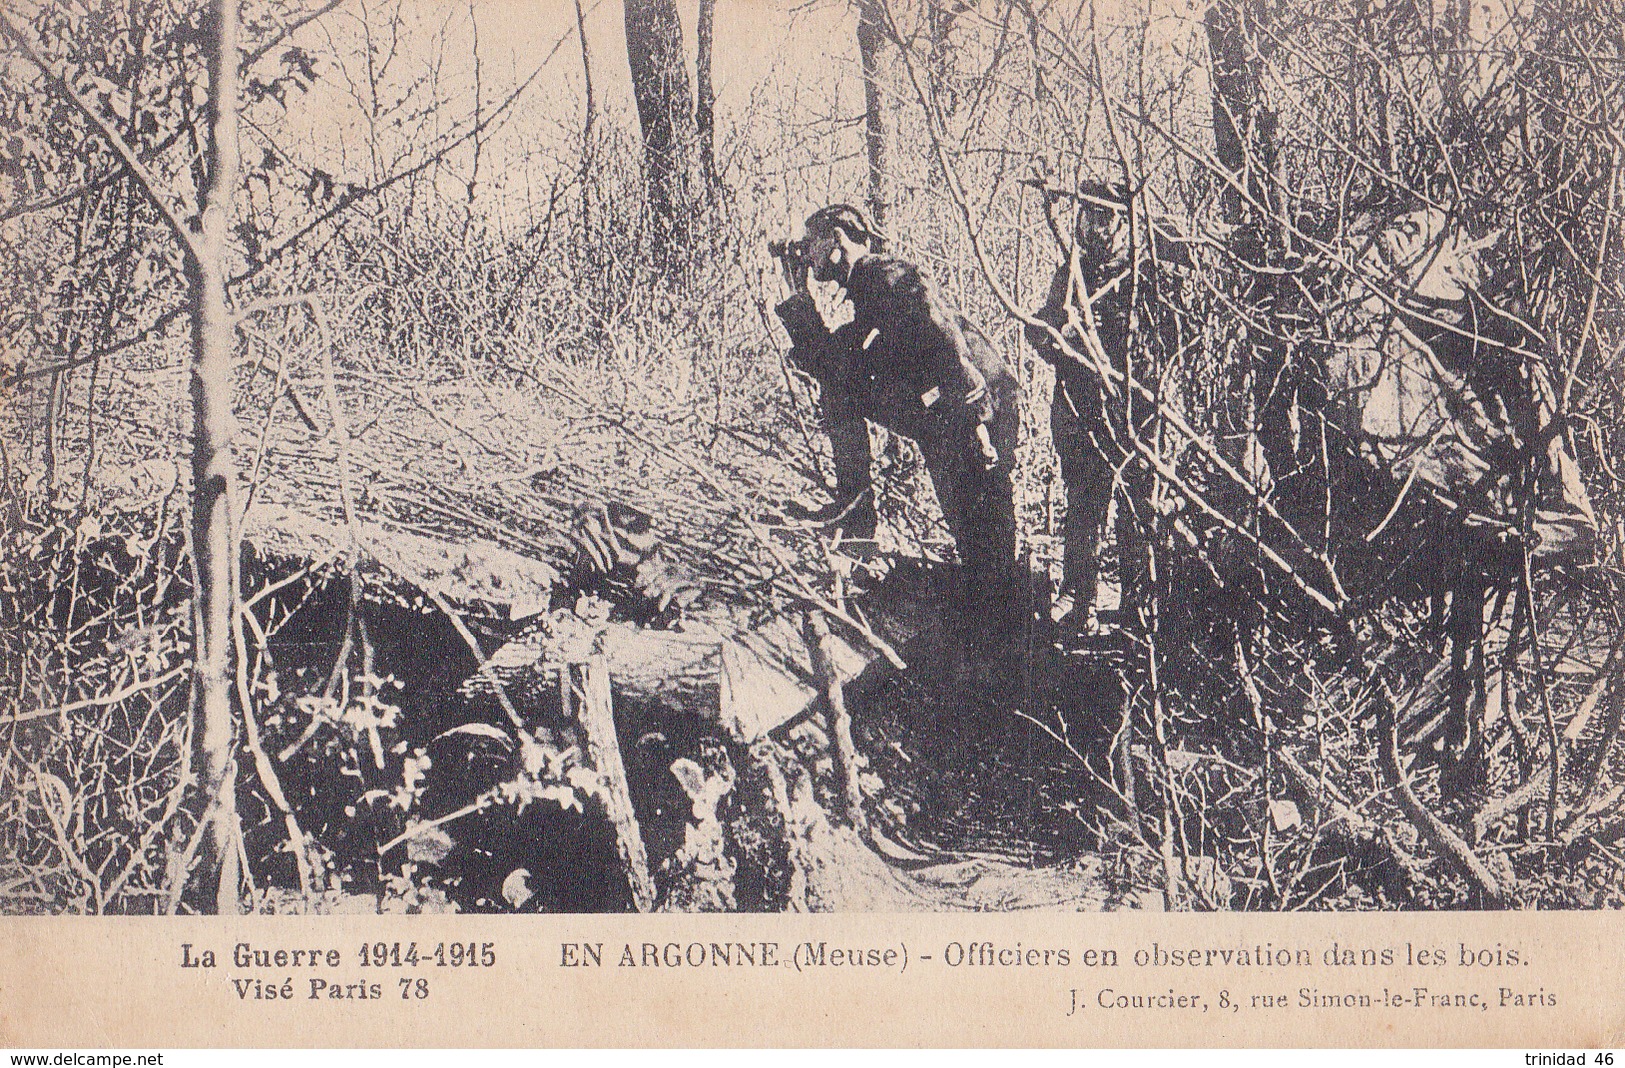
[853, 220]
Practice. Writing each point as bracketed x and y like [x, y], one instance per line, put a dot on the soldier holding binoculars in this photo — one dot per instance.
[912, 364]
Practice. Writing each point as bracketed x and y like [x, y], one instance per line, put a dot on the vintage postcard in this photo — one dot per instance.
[680, 522]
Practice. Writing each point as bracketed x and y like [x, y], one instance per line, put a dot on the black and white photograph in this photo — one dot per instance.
[799, 456]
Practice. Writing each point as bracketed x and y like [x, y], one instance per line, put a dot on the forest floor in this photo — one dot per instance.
[969, 779]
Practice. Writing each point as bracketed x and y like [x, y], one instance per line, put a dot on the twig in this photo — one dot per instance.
[784, 367]
[1512, 802]
[75, 859]
[180, 867]
[104, 700]
[283, 33]
[484, 801]
[262, 760]
[144, 179]
[355, 194]
[1588, 705]
[1610, 736]
[1544, 690]
[473, 646]
[177, 795]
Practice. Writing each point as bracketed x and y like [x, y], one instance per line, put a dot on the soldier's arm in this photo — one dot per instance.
[813, 345]
[1053, 312]
[956, 371]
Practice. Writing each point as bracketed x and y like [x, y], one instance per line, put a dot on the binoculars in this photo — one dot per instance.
[791, 251]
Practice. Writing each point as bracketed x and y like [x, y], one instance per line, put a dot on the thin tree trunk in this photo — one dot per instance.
[213, 474]
[938, 22]
[53, 429]
[1244, 140]
[588, 121]
[820, 646]
[871, 38]
[654, 52]
[1243, 128]
[479, 126]
[705, 94]
[1458, 40]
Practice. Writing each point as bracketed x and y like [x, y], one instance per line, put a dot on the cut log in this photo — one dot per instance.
[749, 679]
[465, 571]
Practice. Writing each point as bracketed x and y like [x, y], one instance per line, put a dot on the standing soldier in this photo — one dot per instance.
[1096, 289]
[915, 366]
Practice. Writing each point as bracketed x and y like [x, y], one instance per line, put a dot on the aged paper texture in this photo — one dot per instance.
[858, 522]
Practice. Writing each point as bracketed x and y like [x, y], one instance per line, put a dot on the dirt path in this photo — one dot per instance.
[975, 809]
[845, 875]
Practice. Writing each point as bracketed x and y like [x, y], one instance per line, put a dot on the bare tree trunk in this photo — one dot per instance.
[1458, 42]
[1378, 89]
[479, 126]
[54, 405]
[1243, 128]
[1244, 136]
[939, 20]
[871, 38]
[213, 474]
[705, 100]
[588, 122]
[654, 52]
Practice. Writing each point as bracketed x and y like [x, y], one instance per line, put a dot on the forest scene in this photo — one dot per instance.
[811, 455]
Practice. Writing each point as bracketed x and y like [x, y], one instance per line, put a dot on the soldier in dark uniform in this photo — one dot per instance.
[912, 364]
[1096, 287]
